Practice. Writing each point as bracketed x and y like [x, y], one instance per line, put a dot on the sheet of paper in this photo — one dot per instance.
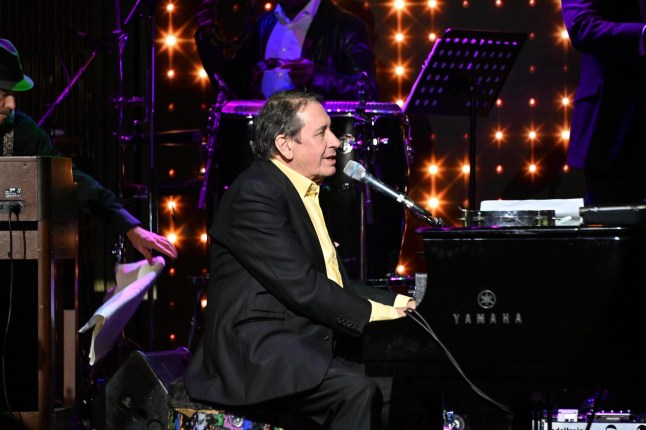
[566, 211]
[133, 281]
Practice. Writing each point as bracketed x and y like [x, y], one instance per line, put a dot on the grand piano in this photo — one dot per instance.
[537, 318]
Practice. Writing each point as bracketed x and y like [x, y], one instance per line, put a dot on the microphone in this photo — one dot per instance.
[357, 172]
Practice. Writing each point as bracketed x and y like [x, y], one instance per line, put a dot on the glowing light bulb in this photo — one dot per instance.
[433, 169]
[170, 7]
[532, 135]
[171, 40]
[399, 37]
[399, 70]
[170, 73]
[499, 169]
[565, 135]
[203, 237]
[466, 169]
[565, 101]
[499, 135]
[172, 238]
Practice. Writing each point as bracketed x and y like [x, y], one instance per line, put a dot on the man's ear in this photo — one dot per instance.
[283, 144]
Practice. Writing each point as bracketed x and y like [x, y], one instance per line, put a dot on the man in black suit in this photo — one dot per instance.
[608, 131]
[21, 136]
[280, 304]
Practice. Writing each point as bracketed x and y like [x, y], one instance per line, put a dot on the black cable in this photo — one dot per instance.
[10, 307]
[419, 319]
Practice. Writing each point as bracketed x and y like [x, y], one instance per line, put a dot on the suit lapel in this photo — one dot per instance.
[319, 24]
[300, 218]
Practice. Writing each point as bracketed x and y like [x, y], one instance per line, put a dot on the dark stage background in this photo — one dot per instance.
[58, 39]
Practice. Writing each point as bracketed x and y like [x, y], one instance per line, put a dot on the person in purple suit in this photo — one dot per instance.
[608, 130]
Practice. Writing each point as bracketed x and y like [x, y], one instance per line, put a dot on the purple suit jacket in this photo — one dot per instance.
[610, 98]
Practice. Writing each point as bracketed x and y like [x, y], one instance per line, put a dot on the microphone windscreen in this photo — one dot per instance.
[354, 170]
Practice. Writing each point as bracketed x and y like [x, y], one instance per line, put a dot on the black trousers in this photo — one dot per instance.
[345, 399]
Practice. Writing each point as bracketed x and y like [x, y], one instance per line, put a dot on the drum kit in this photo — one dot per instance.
[367, 226]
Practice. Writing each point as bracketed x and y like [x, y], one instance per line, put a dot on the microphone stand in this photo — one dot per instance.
[364, 193]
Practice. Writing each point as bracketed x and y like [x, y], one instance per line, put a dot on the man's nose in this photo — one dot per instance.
[8, 102]
[334, 141]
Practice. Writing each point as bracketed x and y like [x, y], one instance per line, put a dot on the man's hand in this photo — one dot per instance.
[145, 241]
[300, 71]
[410, 305]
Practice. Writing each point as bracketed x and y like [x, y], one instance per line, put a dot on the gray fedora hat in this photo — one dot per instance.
[11, 76]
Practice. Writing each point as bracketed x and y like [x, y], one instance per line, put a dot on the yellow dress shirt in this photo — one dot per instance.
[309, 192]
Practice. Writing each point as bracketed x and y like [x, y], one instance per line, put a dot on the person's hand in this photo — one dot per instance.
[410, 305]
[145, 241]
[300, 71]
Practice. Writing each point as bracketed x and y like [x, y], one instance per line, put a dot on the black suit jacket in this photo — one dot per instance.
[272, 312]
[609, 103]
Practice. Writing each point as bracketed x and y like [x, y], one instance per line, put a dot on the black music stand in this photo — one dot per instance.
[463, 75]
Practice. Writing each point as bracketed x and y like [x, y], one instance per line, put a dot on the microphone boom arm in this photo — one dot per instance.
[357, 172]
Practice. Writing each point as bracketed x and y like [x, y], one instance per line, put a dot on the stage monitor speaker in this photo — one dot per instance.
[137, 395]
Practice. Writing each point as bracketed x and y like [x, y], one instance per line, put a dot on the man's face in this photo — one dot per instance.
[7, 104]
[315, 155]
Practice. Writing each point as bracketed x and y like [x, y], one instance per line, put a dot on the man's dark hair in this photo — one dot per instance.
[280, 115]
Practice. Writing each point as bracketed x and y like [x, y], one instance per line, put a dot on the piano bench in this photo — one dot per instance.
[185, 413]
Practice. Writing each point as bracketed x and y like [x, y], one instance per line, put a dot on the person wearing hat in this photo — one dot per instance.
[20, 135]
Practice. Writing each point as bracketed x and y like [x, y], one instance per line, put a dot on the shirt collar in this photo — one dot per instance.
[304, 186]
[310, 9]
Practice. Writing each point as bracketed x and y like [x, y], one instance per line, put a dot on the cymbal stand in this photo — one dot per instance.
[365, 135]
[212, 190]
[142, 129]
[120, 102]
